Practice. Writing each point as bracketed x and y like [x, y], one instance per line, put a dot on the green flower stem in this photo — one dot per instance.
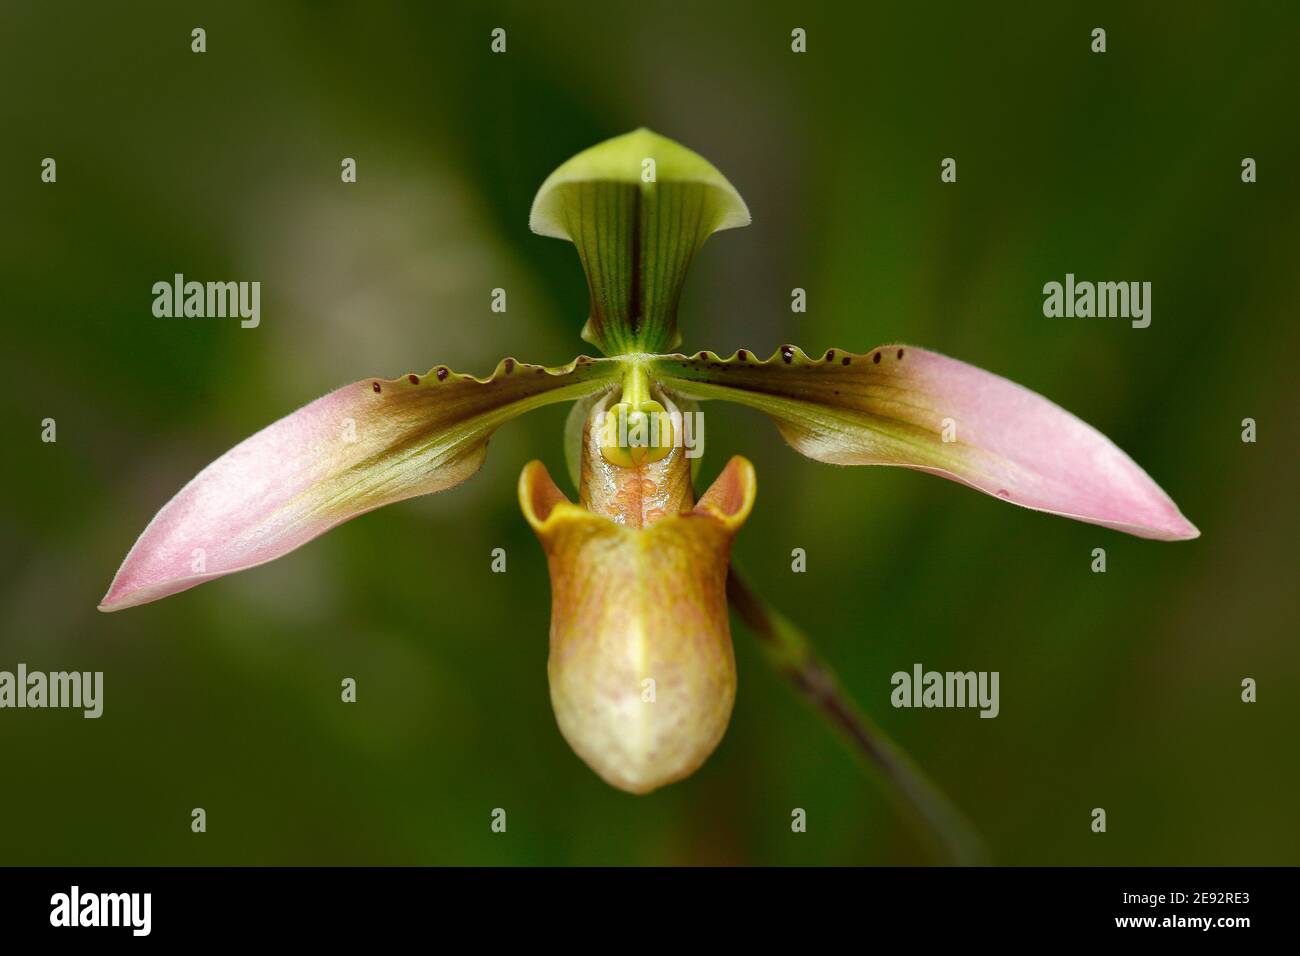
[940, 823]
[636, 384]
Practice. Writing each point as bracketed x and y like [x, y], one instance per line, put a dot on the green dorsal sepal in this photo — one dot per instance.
[638, 207]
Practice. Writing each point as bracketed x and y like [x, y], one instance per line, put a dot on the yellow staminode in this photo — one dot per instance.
[632, 435]
[637, 429]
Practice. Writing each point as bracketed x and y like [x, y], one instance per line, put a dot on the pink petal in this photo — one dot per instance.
[892, 406]
[356, 449]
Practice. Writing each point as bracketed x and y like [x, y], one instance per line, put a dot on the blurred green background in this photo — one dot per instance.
[1118, 690]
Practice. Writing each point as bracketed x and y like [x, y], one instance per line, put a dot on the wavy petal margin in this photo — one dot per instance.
[904, 406]
[363, 446]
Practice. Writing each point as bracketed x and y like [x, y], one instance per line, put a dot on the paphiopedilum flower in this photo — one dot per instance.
[641, 665]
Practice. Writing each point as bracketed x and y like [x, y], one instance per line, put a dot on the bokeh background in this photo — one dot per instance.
[1118, 690]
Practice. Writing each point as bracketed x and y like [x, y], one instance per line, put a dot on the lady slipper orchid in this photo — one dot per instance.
[641, 667]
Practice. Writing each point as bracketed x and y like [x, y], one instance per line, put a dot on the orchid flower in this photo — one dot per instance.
[639, 566]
